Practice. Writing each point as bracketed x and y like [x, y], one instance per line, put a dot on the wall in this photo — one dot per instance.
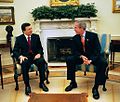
[108, 22]
[22, 10]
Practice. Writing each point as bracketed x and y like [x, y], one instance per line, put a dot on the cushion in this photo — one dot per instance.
[33, 67]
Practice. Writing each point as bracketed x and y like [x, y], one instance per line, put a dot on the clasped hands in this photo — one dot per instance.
[85, 60]
[22, 58]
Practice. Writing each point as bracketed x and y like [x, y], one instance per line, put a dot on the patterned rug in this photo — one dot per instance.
[8, 75]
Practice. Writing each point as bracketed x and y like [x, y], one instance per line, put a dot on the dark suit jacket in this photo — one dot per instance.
[92, 46]
[21, 46]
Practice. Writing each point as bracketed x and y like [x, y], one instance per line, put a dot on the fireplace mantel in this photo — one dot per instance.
[64, 24]
[59, 28]
[64, 20]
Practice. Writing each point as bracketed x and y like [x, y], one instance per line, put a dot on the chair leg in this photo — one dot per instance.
[36, 73]
[107, 72]
[84, 73]
[47, 74]
[1, 78]
[1, 72]
[16, 81]
[104, 88]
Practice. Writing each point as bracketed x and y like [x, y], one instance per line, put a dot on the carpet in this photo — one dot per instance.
[58, 97]
[9, 75]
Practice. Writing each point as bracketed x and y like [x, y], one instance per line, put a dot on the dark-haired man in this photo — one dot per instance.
[28, 50]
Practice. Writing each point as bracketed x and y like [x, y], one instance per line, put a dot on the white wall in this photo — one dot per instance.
[22, 10]
[108, 22]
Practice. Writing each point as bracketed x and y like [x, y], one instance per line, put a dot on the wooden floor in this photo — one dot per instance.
[57, 85]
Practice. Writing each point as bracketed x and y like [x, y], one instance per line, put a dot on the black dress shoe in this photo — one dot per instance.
[43, 87]
[95, 93]
[27, 90]
[71, 86]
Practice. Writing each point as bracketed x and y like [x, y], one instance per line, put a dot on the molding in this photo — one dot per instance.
[66, 20]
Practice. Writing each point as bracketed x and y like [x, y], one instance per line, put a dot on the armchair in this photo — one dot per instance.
[105, 40]
[17, 66]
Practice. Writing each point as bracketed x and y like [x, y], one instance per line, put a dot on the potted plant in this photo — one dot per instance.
[69, 11]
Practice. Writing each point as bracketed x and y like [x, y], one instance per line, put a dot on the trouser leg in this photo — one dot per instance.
[71, 62]
[40, 63]
[25, 71]
[101, 65]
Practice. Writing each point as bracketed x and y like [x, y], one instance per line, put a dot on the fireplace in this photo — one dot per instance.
[56, 36]
[58, 48]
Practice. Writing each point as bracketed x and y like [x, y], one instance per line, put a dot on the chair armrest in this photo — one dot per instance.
[107, 51]
[11, 54]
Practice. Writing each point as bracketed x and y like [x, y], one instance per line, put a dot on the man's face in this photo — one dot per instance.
[78, 29]
[28, 30]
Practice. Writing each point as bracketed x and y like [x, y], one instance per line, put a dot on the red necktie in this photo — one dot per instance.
[29, 44]
[83, 42]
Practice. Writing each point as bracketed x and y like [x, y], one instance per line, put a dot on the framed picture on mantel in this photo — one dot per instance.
[116, 6]
[63, 2]
[6, 1]
[7, 15]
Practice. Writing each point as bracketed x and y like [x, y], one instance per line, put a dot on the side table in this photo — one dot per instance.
[1, 72]
[115, 47]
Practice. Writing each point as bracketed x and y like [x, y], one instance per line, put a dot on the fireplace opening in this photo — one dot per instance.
[58, 48]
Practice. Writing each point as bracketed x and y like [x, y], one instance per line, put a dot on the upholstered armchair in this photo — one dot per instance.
[17, 66]
[105, 40]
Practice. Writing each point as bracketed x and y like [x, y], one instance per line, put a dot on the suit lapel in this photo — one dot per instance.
[32, 40]
[87, 39]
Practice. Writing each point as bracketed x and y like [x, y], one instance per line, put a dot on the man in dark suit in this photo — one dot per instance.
[28, 50]
[87, 52]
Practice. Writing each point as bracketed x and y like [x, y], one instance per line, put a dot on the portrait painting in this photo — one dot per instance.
[63, 2]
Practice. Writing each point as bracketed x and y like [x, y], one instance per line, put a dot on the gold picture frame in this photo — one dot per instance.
[63, 2]
[116, 6]
[6, 1]
[7, 15]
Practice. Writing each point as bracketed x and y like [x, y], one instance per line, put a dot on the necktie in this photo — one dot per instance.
[83, 42]
[29, 44]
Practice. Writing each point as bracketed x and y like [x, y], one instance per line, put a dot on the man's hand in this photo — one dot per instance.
[85, 60]
[83, 57]
[37, 56]
[22, 58]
